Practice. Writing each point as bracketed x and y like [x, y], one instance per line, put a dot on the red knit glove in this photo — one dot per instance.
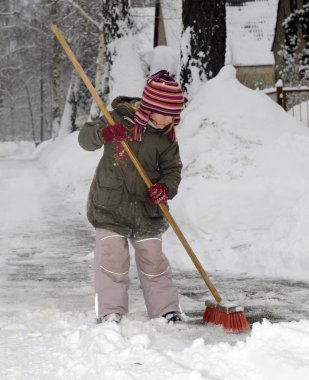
[116, 132]
[158, 193]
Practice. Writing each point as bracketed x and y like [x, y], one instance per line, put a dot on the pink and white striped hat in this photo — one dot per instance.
[163, 95]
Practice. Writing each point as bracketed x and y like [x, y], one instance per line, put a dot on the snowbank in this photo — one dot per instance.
[136, 350]
[245, 180]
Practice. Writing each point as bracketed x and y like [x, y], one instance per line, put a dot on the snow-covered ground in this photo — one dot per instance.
[242, 205]
[301, 112]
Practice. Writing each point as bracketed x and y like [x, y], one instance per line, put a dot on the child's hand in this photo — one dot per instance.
[158, 193]
[116, 132]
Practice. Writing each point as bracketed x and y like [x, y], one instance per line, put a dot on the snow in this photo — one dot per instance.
[301, 112]
[143, 20]
[245, 159]
[162, 58]
[14, 149]
[242, 205]
[75, 350]
[125, 80]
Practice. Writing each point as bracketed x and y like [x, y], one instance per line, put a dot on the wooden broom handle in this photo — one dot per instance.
[135, 161]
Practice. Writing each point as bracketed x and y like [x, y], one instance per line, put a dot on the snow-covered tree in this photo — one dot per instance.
[203, 42]
[295, 49]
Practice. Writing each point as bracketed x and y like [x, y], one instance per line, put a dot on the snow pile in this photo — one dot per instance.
[74, 349]
[245, 180]
[269, 353]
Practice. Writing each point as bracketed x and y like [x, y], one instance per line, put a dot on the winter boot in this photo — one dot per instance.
[109, 318]
[173, 316]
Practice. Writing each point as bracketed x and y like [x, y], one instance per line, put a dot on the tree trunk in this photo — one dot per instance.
[12, 121]
[31, 113]
[74, 101]
[41, 111]
[68, 119]
[1, 98]
[101, 83]
[203, 42]
[56, 72]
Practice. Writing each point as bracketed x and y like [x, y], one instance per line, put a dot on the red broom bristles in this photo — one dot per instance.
[234, 321]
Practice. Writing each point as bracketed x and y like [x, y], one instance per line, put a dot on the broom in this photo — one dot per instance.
[232, 318]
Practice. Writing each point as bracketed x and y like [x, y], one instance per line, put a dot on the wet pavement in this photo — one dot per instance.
[45, 243]
[275, 299]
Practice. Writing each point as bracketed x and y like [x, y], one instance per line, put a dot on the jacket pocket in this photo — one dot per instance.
[107, 197]
[153, 211]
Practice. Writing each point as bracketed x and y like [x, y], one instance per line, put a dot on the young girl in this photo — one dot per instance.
[120, 206]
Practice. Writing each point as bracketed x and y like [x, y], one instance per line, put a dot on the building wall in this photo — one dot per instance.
[256, 76]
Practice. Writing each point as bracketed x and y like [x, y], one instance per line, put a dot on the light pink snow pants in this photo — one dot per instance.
[111, 274]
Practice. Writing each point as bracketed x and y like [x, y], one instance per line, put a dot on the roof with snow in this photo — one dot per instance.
[250, 31]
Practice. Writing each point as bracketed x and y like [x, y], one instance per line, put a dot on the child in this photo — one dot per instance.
[120, 206]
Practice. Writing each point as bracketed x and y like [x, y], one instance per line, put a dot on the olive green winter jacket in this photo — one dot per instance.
[117, 199]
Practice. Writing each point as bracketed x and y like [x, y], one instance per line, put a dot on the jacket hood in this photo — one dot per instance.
[125, 105]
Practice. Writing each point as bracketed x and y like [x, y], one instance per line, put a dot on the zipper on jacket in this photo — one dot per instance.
[133, 213]
[138, 151]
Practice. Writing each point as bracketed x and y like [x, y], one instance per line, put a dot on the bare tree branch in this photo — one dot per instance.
[17, 50]
[8, 68]
[9, 13]
[99, 26]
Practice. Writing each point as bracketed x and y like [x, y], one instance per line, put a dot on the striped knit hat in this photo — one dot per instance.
[163, 95]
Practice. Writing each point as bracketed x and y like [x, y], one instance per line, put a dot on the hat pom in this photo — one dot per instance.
[158, 75]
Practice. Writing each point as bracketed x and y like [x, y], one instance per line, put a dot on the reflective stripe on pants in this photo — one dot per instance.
[111, 274]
